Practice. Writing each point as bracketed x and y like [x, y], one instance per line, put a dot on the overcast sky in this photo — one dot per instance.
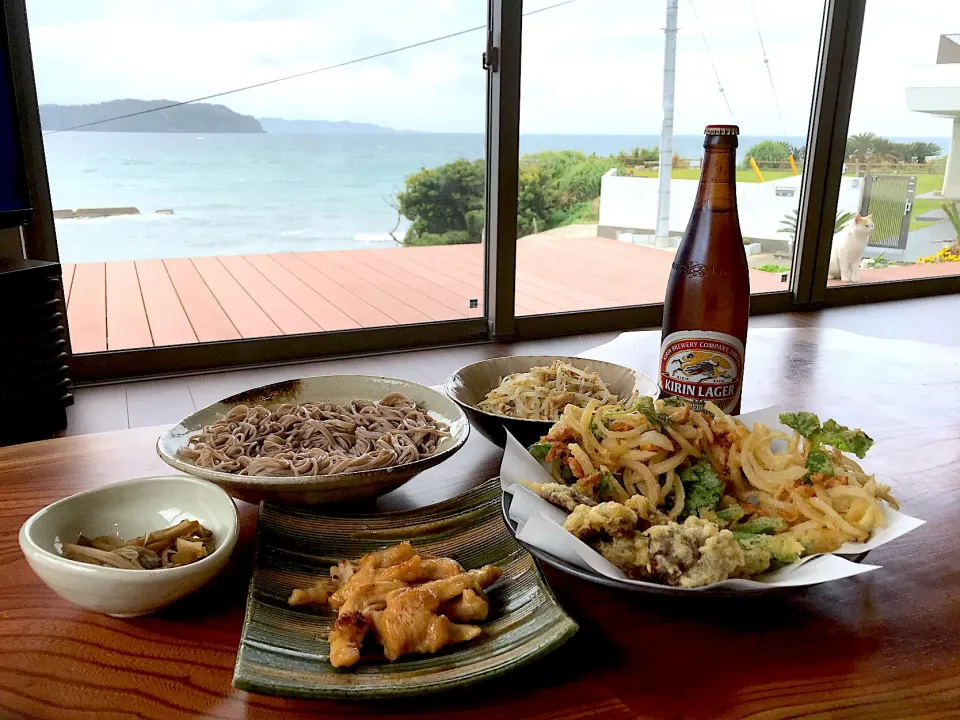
[592, 67]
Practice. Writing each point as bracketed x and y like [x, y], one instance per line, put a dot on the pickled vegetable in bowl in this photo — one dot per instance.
[181, 544]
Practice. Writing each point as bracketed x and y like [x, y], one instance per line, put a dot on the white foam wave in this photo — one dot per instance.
[378, 237]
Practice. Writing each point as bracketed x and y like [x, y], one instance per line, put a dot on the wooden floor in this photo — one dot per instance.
[144, 303]
[158, 402]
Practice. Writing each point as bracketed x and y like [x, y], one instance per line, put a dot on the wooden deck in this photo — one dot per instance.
[145, 303]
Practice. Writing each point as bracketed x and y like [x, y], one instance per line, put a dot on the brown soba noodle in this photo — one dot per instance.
[316, 438]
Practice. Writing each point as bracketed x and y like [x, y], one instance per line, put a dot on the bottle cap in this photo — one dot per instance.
[721, 130]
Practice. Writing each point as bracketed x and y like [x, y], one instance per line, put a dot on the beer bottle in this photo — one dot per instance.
[707, 304]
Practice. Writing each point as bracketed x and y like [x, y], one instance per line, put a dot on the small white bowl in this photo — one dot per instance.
[129, 509]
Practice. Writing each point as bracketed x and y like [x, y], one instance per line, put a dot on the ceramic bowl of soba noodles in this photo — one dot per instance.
[316, 440]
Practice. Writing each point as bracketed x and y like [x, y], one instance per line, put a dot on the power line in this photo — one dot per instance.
[302, 74]
[766, 64]
[716, 74]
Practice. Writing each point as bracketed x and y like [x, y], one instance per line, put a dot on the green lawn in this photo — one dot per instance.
[925, 184]
[694, 174]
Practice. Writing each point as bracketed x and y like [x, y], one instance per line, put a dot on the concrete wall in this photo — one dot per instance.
[948, 51]
[630, 203]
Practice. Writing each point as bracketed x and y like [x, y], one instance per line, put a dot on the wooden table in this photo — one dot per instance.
[881, 645]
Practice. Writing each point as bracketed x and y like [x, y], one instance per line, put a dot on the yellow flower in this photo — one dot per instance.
[947, 254]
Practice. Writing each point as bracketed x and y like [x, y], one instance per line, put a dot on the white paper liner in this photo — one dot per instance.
[540, 524]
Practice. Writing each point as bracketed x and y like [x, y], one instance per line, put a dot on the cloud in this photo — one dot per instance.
[591, 67]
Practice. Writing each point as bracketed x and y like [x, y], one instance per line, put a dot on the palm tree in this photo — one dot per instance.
[860, 146]
[788, 225]
[799, 152]
[885, 151]
[919, 150]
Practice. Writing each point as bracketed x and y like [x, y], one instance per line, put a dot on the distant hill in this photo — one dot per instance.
[301, 127]
[193, 118]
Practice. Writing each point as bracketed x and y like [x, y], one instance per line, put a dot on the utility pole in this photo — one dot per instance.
[666, 132]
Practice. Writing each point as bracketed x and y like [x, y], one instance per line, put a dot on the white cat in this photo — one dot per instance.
[847, 249]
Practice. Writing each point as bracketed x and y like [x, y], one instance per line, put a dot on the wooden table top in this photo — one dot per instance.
[881, 645]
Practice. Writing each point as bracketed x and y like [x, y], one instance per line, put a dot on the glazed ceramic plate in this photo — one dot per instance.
[284, 650]
[317, 489]
[470, 384]
[649, 588]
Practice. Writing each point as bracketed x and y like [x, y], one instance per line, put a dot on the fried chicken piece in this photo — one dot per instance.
[610, 518]
[347, 637]
[387, 557]
[564, 496]
[471, 606]
[693, 554]
[419, 569]
[315, 596]
[397, 594]
[324, 590]
[629, 553]
[356, 601]
[409, 623]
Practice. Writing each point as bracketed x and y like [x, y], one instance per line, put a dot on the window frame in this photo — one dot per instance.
[826, 141]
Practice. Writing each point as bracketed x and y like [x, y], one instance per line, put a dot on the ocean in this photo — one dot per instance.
[240, 194]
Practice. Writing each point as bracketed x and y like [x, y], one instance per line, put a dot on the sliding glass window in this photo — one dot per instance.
[901, 169]
[331, 177]
[593, 232]
[324, 190]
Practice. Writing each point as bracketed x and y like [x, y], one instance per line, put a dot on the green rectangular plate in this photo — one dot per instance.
[284, 650]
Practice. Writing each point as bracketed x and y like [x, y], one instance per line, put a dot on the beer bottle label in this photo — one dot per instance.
[700, 366]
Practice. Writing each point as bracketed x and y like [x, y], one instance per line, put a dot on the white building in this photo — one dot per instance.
[629, 205]
[936, 90]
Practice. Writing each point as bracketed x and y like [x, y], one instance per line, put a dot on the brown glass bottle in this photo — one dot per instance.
[707, 304]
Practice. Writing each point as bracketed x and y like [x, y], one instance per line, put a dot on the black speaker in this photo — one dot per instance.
[34, 376]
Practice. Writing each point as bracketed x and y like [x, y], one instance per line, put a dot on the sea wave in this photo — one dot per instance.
[294, 233]
[378, 237]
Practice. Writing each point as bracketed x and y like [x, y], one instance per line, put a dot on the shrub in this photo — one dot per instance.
[475, 222]
[536, 202]
[580, 183]
[554, 188]
[767, 151]
[453, 237]
[585, 212]
[643, 154]
[440, 200]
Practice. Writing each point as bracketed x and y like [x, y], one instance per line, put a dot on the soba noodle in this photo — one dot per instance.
[316, 438]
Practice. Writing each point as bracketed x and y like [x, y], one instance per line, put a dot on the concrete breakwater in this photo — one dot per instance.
[103, 212]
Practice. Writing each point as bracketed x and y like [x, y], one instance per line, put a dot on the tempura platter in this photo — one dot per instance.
[538, 525]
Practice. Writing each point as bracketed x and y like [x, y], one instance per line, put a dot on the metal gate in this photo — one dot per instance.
[889, 198]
